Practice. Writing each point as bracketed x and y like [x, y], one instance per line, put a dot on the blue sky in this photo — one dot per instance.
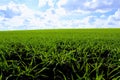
[56, 14]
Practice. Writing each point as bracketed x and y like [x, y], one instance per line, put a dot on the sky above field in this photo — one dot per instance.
[55, 14]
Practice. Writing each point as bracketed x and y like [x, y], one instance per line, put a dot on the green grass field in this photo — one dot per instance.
[66, 54]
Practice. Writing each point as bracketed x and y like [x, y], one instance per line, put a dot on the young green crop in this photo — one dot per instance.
[68, 54]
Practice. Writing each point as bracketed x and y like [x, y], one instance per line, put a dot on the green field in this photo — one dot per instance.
[66, 54]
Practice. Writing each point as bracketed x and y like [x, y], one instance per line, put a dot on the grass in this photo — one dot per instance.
[73, 54]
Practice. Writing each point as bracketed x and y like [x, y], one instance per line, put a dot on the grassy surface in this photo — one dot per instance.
[74, 54]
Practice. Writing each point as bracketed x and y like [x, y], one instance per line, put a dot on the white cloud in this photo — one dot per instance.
[11, 6]
[16, 20]
[78, 17]
[114, 19]
[51, 3]
[91, 5]
[42, 3]
[103, 16]
[102, 11]
[62, 2]
[117, 15]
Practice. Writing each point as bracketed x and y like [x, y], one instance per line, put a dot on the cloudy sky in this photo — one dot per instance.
[56, 14]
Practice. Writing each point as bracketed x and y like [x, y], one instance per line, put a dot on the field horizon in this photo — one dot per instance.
[59, 29]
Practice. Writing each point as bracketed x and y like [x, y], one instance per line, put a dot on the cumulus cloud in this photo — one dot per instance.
[13, 15]
[91, 5]
[30, 19]
[114, 19]
[10, 10]
[61, 14]
[42, 3]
